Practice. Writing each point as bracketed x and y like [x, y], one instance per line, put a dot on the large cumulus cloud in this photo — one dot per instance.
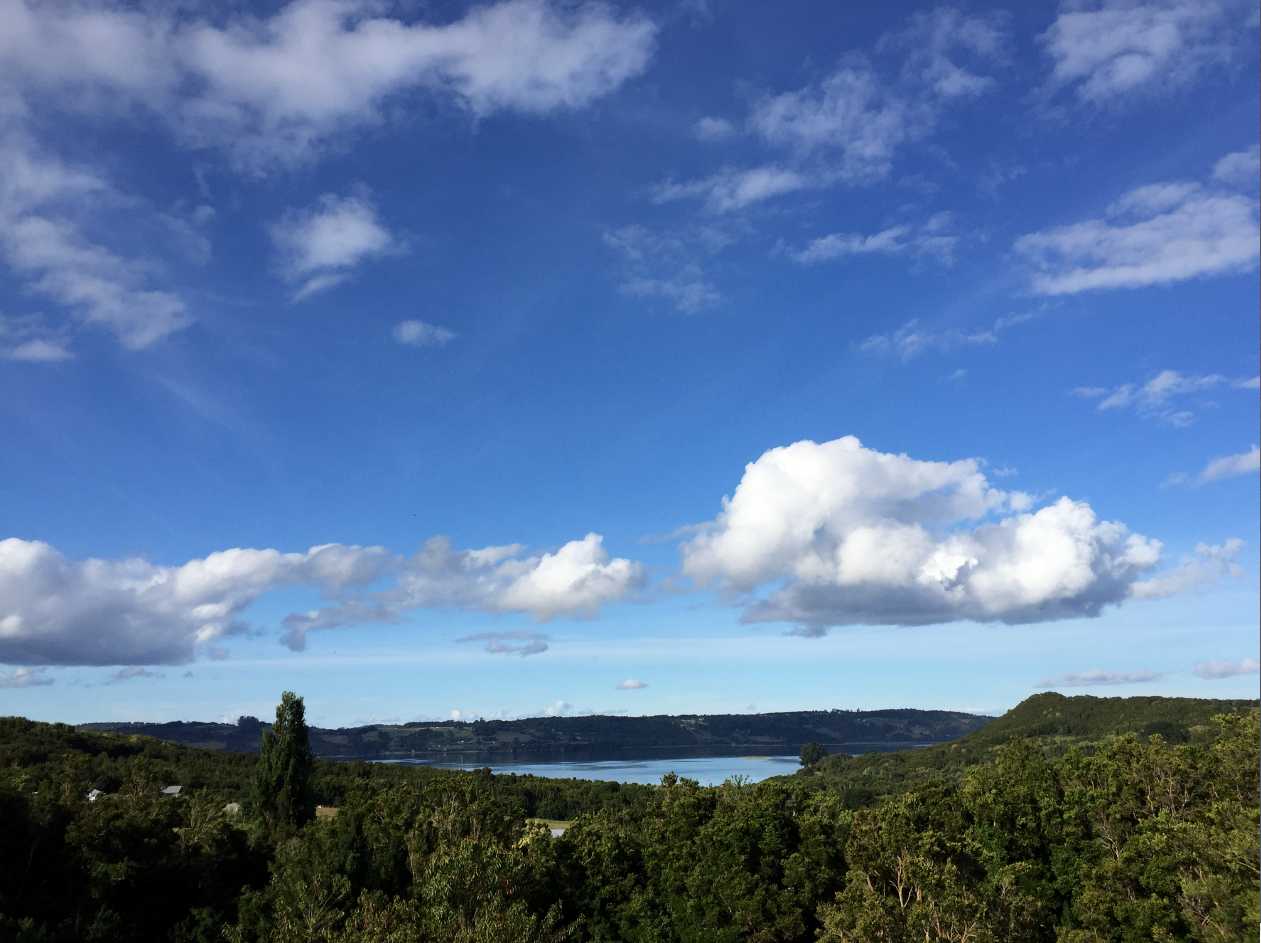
[574, 580]
[834, 533]
[117, 612]
[58, 611]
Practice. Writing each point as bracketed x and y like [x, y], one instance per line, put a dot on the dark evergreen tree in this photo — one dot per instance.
[811, 753]
[282, 783]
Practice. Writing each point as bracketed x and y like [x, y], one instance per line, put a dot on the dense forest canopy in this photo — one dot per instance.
[1068, 820]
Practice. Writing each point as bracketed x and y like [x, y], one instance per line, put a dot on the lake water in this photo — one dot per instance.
[706, 770]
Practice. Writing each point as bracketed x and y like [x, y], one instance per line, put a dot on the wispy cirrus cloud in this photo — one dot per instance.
[631, 684]
[1209, 564]
[1157, 234]
[1167, 397]
[1111, 51]
[422, 334]
[915, 338]
[30, 340]
[687, 290]
[1240, 169]
[936, 238]
[1225, 466]
[735, 188]
[669, 265]
[953, 53]
[1098, 677]
[1232, 466]
[849, 126]
[710, 128]
[54, 238]
[510, 643]
[1216, 670]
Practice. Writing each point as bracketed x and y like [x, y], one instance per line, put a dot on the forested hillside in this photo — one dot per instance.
[1073, 835]
[1056, 722]
[780, 732]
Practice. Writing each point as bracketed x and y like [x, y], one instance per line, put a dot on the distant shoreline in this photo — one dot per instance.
[588, 736]
[563, 753]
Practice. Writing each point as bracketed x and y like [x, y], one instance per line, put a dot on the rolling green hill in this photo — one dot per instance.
[1055, 720]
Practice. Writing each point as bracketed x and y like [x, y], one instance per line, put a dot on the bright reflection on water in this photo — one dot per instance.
[706, 770]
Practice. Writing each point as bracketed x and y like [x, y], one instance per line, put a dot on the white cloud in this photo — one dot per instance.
[321, 246]
[733, 189]
[668, 265]
[935, 237]
[1215, 670]
[913, 338]
[422, 334]
[631, 684]
[938, 39]
[687, 290]
[848, 127]
[997, 176]
[842, 534]
[1156, 398]
[713, 129]
[1232, 466]
[1240, 169]
[269, 89]
[510, 643]
[574, 581]
[851, 120]
[1110, 50]
[134, 673]
[106, 288]
[1086, 679]
[133, 612]
[275, 88]
[1158, 234]
[29, 341]
[1209, 564]
[558, 709]
[43, 240]
[25, 678]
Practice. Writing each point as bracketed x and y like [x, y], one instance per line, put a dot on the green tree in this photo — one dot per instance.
[282, 782]
[811, 753]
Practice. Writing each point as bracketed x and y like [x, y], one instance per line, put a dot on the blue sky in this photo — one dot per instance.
[435, 360]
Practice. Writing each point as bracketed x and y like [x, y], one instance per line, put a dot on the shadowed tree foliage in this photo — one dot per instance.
[282, 781]
[1054, 838]
[811, 753]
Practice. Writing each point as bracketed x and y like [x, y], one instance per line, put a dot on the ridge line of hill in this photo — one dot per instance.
[783, 731]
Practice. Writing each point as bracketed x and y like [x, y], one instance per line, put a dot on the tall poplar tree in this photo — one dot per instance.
[282, 781]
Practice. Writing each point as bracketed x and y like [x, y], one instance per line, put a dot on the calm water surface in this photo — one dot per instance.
[707, 770]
